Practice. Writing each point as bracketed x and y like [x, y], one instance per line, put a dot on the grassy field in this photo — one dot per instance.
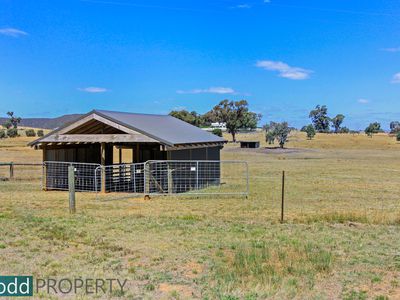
[341, 238]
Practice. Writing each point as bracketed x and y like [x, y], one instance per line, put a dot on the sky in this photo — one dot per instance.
[153, 56]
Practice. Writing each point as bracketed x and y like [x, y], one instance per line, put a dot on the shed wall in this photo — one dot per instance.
[206, 153]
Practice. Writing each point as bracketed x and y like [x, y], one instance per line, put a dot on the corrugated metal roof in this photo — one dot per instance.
[163, 128]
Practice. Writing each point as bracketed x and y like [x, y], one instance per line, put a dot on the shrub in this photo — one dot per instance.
[30, 132]
[2, 134]
[12, 132]
[310, 130]
[344, 130]
[217, 131]
[40, 132]
[397, 136]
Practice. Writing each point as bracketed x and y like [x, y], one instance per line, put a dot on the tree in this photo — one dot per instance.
[282, 131]
[279, 131]
[398, 136]
[270, 133]
[40, 133]
[2, 134]
[189, 117]
[236, 115]
[394, 126]
[372, 128]
[310, 130]
[320, 119]
[217, 132]
[337, 122]
[344, 129]
[13, 120]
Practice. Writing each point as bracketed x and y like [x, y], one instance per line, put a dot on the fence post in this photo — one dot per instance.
[71, 188]
[11, 170]
[283, 196]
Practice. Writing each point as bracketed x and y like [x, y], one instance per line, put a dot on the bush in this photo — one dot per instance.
[2, 134]
[310, 130]
[397, 136]
[217, 131]
[344, 130]
[30, 132]
[12, 132]
[40, 132]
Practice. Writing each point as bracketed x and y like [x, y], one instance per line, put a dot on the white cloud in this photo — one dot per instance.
[12, 32]
[211, 90]
[394, 49]
[396, 78]
[93, 89]
[363, 101]
[284, 70]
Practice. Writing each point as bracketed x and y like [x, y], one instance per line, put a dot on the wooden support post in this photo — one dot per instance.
[103, 170]
[137, 153]
[120, 155]
[11, 170]
[44, 173]
[283, 196]
[71, 188]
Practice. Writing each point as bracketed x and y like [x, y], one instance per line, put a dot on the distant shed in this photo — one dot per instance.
[249, 144]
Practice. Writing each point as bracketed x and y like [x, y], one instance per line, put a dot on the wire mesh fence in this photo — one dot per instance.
[55, 176]
[174, 177]
[122, 178]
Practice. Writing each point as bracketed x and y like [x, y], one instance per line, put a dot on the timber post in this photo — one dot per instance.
[71, 188]
[11, 170]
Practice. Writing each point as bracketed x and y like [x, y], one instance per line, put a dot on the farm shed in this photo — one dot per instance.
[100, 137]
[249, 144]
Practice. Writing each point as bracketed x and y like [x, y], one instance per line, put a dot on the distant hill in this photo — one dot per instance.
[45, 123]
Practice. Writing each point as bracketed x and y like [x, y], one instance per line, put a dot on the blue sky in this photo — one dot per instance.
[283, 56]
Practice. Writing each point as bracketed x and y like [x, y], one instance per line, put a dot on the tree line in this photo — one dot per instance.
[11, 128]
[237, 116]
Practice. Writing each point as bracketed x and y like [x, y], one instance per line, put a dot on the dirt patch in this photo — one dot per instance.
[389, 286]
[184, 291]
[267, 150]
[193, 270]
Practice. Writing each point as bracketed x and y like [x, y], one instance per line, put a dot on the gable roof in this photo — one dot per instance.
[163, 128]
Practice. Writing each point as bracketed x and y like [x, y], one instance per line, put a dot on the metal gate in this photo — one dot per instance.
[174, 177]
[55, 176]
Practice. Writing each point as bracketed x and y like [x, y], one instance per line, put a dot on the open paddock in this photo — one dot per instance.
[340, 239]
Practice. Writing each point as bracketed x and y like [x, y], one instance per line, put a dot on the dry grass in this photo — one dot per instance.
[341, 238]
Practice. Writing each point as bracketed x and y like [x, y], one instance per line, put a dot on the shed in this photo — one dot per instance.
[249, 144]
[99, 135]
